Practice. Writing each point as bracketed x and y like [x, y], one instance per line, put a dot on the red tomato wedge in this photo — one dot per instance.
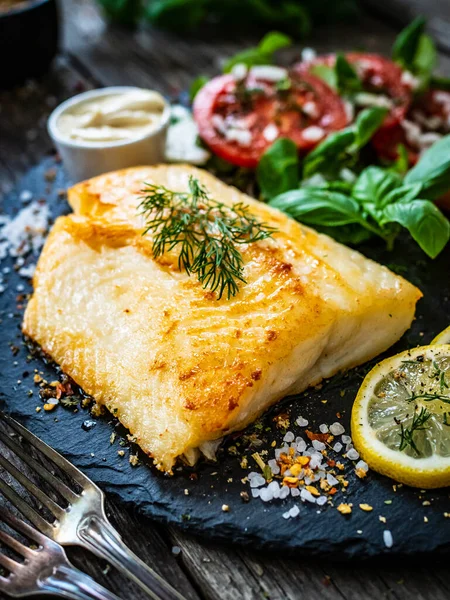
[379, 75]
[239, 120]
[427, 120]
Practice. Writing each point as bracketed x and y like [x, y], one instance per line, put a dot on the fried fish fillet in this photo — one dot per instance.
[178, 367]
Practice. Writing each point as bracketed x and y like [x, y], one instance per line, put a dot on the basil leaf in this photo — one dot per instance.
[273, 41]
[407, 43]
[433, 170]
[331, 155]
[326, 73]
[325, 156]
[424, 221]
[315, 206]
[347, 79]
[404, 193]
[177, 15]
[374, 184]
[425, 58]
[262, 54]
[348, 234]
[401, 164]
[196, 86]
[440, 83]
[367, 123]
[278, 168]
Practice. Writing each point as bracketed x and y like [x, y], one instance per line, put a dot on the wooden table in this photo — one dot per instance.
[96, 55]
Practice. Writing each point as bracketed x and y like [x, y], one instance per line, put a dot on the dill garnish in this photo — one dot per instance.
[206, 232]
[407, 433]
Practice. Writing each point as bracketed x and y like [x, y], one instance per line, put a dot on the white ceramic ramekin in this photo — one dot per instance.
[83, 160]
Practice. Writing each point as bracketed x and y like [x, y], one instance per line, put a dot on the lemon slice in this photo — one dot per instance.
[443, 337]
[401, 417]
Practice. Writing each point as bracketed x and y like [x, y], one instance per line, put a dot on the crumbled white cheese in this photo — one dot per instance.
[270, 132]
[308, 54]
[310, 109]
[313, 133]
[239, 71]
[182, 137]
[367, 99]
[409, 80]
[241, 136]
[268, 72]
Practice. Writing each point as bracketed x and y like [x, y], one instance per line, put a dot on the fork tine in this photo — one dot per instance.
[23, 528]
[61, 487]
[75, 473]
[15, 545]
[45, 500]
[25, 509]
[9, 564]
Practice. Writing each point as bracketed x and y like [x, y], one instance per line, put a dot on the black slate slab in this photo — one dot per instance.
[193, 499]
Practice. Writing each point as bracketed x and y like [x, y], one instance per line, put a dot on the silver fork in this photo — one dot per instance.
[83, 522]
[44, 570]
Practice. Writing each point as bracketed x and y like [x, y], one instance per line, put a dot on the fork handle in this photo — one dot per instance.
[98, 535]
[69, 582]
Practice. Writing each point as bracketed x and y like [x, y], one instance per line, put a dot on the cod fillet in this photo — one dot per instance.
[178, 367]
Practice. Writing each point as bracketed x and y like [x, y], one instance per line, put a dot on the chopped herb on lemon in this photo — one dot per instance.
[401, 417]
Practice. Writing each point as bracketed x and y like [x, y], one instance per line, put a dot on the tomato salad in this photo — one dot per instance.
[239, 115]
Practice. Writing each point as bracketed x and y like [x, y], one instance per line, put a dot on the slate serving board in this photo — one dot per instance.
[316, 531]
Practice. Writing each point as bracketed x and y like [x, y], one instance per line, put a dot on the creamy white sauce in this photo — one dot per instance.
[113, 117]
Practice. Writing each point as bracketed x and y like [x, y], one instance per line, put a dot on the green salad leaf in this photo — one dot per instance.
[415, 51]
[406, 44]
[262, 54]
[379, 203]
[278, 169]
[196, 86]
[424, 221]
[341, 147]
[433, 170]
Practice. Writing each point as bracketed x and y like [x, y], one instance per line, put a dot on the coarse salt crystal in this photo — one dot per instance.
[242, 137]
[273, 466]
[323, 428]
[287, 515]
[337, 447]
[25, 196]
[295, 492]
[337, 428]
[265, 494]
[284, 492]
[318, 445]
[294, 511]
[388, 539]
[316, 460]
[362, 465]
[301, 422]
[257, 481]
[274, 488]
[301, 446]
[346, 439]
[353, 454]
[331, 479]
[289, 437]
[321, 500]
[255, 492]
[306, 495]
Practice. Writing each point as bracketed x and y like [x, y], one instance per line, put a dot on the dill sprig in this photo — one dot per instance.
[207, 233]
[407, 433]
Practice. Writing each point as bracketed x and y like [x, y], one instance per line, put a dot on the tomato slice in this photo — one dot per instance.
[379, 76]
[426, 121]
[239, 120]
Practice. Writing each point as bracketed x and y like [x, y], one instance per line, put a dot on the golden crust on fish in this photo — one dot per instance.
[178, 367]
